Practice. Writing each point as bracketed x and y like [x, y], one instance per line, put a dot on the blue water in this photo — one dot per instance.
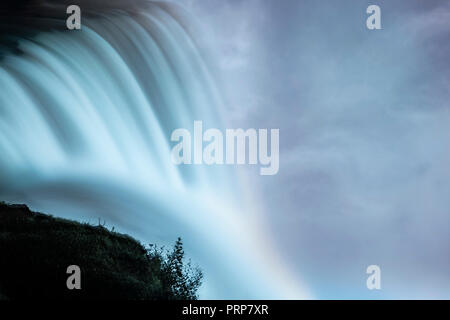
[85, 123]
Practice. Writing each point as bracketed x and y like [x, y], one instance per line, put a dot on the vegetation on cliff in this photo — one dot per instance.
[36, 250]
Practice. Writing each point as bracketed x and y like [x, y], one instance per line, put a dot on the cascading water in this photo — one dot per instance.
[85, 123]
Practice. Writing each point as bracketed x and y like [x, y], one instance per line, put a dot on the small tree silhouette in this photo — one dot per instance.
[180, 280]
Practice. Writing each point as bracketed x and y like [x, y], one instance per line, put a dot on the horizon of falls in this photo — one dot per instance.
[85, 123]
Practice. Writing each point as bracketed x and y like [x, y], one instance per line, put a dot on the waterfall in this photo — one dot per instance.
[85, 123]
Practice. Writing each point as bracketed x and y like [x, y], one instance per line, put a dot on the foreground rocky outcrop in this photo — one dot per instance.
[36, 250]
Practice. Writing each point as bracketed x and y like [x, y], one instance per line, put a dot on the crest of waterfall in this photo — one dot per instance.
[85, 124]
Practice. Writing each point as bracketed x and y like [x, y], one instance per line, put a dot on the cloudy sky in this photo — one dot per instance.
[363, 118]
[364, 135]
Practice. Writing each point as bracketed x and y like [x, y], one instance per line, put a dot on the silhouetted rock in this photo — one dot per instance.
[36, 250]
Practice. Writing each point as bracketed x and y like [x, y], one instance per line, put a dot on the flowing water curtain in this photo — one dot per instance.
[86, 118]
[118, 88]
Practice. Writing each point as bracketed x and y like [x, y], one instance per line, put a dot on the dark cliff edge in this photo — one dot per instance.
[36, 249]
